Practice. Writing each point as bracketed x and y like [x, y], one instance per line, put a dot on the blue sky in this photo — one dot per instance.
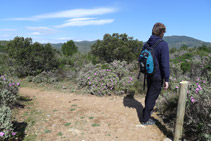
[58, 21]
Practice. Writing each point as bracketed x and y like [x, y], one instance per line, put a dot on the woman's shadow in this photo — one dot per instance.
[130, 102]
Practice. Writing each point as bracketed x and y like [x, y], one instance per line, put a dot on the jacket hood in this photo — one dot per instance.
[153, 39]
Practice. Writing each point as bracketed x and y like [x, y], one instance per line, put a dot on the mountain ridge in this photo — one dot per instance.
[174, 41]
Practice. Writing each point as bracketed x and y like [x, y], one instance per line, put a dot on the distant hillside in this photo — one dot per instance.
[57, 46]
[178, 41]
[3, 45]
[173, 42]
[83, 46]
[3, 42]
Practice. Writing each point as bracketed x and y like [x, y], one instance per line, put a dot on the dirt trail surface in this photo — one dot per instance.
[77, 117]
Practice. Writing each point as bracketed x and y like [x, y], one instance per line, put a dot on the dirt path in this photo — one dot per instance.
[76, 117]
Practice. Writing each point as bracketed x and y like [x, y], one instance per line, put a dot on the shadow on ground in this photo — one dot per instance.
[130, 102]
[19, 128]
[168, 133]
[20, 102]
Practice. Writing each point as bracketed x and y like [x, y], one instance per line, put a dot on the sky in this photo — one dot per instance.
[57, 21]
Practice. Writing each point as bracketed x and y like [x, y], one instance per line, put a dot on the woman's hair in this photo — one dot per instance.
[158, 29]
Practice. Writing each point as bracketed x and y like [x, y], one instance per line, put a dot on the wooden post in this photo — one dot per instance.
[181, 110]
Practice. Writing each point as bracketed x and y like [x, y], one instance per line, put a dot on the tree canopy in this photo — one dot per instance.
[30, 58]
[69, 48]
[117, 47]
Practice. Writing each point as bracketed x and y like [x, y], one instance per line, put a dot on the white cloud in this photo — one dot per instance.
[74, 13]
[41, 30]
[64, 38]
[84, 22]
[5, 35]
[35, 33]
[7, 29]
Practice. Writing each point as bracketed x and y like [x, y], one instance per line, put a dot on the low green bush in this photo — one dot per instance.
[6, 126]
[31, 58]
[46, 77]
[117, 78]
[198, 110]
[8, 91]
[8, 97]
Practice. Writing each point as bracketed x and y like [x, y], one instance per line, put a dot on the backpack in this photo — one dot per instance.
[147, 61]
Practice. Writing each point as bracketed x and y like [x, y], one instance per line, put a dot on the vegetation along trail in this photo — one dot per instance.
[77, 117]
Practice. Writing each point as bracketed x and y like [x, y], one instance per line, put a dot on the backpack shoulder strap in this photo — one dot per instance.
[156, 43]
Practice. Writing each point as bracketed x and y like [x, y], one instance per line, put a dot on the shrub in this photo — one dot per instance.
[6, 126]
[69, 48]
[3, 63]
[185, 66]
[116, 47]
[204, 48]
[31, 59]
[46, 77]
[198, 110]
[8, 91]
[184, 47]
[192, 62]
[116, 78]
[8, 96]
[172, 50]
[71, 65]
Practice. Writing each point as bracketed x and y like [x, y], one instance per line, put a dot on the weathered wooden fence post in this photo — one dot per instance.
[181, 110]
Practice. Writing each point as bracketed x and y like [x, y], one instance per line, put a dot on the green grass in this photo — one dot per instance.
[74, 105]
[59, 134]
[72, 109]
[31, 116]
[47, 131]
[91, 117]
[55, 110]
[67, 124]
[95, 125]
[30, 138]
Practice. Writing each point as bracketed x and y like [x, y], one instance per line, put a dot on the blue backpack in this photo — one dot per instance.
[147, 61]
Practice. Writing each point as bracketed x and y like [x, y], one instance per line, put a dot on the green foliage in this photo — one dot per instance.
[8, 91]
[2, 48]
[46, 77]
[204, 48]
[178, 41]
[190, 64]
[184, 47]
[194, 62]
[8, 96]
[4, 63]
[185, 66]
[198, 110]
[71, 65]
[116, 47]
[95, 125]
[69, 48]
[31, 59]
[172, 50]
[84, 46]
[6, 126]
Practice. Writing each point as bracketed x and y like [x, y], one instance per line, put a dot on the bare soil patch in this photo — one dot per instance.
[76, 117]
